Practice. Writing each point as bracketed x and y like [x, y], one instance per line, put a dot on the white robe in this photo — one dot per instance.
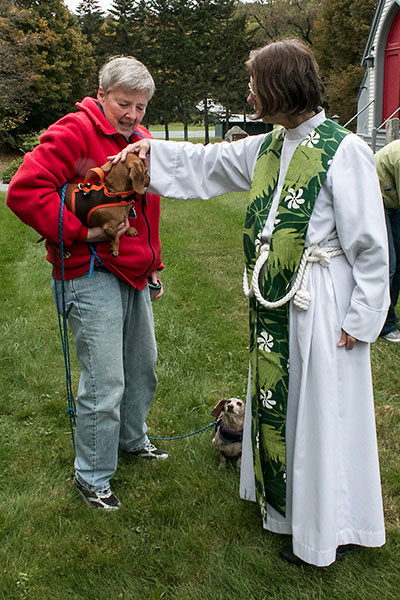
[333, 482]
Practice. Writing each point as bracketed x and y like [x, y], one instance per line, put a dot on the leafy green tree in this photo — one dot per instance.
[274, 19]
[199, 48]
[120, 27]
[230, 50]
[171, 61]
[91, 18]
[340, 34]
[48, 61]
[16, 77]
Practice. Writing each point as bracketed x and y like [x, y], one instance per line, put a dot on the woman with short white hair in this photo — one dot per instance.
[107, 297]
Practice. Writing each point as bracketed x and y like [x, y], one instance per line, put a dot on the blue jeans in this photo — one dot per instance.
[113, 332]
[392, 216]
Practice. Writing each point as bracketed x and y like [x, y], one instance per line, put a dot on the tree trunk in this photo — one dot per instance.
[206, 125]
[166, 129]
[227, 117]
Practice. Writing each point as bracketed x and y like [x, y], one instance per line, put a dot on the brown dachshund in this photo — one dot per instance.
[108, 203]
[109, 208]
[229, 415]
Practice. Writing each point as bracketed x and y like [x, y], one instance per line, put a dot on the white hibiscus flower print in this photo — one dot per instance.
[294, 199]
[265, 341]
[311, 140]
[266, 399]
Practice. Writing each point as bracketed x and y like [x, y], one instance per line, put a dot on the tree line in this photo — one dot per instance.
[195, 50]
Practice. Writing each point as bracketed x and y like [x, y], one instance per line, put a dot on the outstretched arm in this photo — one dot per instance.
[183, 170]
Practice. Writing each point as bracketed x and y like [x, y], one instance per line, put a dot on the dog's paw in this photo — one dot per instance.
[132, 232]
[222, 461]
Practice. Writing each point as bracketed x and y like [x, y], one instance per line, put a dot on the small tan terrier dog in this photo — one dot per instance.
[229, 416]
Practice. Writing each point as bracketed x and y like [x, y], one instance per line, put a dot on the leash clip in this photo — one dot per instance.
[84, 188]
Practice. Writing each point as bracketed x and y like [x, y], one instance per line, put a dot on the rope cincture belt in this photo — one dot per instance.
[299, 291]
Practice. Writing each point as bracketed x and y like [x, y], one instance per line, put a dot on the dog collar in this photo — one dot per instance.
[228, 435]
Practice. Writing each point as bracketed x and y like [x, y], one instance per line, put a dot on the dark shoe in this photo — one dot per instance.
[104, 499]
[150, 452]
[287, 555]
[343, 550]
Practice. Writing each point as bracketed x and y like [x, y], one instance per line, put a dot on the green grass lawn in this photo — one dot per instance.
[182, 532]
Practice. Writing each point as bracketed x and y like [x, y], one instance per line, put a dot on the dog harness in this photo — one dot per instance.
[228, 436]
[88, 197]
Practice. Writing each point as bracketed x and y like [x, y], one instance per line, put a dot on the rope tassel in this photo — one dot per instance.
[299, 291]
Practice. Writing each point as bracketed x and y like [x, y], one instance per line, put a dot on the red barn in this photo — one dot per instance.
[379, 93]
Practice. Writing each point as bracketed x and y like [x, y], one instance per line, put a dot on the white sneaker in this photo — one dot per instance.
[104, 499]
[393, 336]
[150, 452]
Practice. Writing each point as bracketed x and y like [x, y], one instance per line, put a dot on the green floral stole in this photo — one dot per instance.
[269, 328]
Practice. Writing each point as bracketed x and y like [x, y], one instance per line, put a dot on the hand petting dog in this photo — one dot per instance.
[141, 148]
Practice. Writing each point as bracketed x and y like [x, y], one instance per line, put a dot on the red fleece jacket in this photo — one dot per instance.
[66, 151]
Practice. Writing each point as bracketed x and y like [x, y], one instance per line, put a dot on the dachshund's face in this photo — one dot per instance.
[137, 173]
[128, 175]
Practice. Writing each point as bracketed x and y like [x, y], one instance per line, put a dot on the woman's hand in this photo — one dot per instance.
[142, 147]
[97, 234]
[347, 340]
[155, 278]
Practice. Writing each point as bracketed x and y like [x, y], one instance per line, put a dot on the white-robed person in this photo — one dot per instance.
[310, 455]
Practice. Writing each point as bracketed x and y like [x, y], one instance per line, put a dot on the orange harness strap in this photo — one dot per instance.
[88, 197]
[86, 186]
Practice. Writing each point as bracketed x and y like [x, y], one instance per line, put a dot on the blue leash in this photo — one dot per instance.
[63, 327]
[179, 437]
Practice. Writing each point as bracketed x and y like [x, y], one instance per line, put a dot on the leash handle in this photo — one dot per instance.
[96, 171]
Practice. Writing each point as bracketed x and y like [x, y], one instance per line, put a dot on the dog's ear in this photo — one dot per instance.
[137, 180]
[218, 408]
[106, 167]
[137, 173]
[146, 179]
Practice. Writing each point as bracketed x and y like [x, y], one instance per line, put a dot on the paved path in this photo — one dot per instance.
[159, 135]
[3, 187]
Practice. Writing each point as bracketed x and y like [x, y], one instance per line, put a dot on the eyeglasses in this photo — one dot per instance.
[252, 91]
